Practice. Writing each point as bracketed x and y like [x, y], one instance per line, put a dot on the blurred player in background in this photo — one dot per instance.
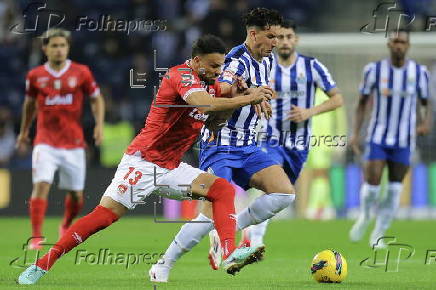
[55, 93]
[231, 152]
[295, 78]
[154, 157]
[395, 84]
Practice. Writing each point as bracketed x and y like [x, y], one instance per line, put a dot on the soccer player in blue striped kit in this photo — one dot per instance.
[395, 84]
[233, 154]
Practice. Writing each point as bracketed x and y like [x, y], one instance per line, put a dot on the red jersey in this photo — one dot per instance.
[170, 131]
[59, 96]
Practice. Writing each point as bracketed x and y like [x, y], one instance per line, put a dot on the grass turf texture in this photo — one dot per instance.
[291, 246]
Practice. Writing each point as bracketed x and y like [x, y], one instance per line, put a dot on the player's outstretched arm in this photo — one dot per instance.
[206, 103]
[98, 110]
[28, 114]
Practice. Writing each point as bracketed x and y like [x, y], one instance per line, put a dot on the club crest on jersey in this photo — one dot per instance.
[42, 82]
[301, 78]
[212, 92]
[72, 82]
[57, 84]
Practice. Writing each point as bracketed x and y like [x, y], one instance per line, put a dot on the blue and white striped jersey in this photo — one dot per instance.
[295, 85]
[241, 127]
[395, 91]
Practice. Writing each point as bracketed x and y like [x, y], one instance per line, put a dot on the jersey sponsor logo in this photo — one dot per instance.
[72, 82]
[59, 100]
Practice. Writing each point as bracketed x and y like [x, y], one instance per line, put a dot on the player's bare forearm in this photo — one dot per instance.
[424, 126]
[28, 114]
[217, 120]
[206, 103]
[98, 109]
[335, 101]
[360, 114]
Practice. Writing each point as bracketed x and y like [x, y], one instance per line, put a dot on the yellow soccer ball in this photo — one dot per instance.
[329, 266]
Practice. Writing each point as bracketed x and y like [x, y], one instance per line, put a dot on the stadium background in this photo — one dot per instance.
[329, 30]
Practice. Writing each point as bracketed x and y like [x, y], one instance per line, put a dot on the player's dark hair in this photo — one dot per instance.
[56, 32]
[289, 23]
[262, 18]
[208, 44]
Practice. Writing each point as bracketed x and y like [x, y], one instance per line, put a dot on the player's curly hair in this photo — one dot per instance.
[208, 43]
[262, 18]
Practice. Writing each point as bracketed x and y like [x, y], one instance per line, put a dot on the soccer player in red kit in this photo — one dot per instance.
[152, 162]
[55, 93]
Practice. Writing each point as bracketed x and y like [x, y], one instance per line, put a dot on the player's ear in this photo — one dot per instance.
[196, 59]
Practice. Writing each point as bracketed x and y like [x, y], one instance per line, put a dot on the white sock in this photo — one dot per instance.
[256, 234]
[264, 207]
[189, 235]
[388, 208]
[368, 197]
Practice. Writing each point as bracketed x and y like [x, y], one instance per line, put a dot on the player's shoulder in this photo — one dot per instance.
[422, 67]
[36, 71]
[79, 66]
[236, 52]
[176, 72]
[307, 57]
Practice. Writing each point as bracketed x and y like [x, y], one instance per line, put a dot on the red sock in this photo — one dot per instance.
[72, 209]
[37, 208]
[95, 221]
[222, 196]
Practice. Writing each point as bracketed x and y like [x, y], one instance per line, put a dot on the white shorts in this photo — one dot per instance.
[71, 164]
[136, 178]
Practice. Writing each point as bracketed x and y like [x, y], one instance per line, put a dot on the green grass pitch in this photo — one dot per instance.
[291, 246]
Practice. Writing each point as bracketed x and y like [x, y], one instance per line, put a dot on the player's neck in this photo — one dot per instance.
[289, 60]
[256, 55]
[397, 62]
[56, 65]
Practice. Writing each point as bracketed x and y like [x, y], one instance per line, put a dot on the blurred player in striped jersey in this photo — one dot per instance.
[295, 78]
[55, 93]
[395, 84]
[232, 153]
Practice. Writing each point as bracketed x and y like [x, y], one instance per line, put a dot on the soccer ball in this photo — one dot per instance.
[329, 266]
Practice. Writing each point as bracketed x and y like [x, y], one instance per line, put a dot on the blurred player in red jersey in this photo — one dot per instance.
[152, 162]
[55, 93]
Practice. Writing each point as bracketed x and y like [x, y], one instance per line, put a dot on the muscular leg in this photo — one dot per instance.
[37, 209]
[101, 217]
[280, 193]
[373, 171]
[389, 206]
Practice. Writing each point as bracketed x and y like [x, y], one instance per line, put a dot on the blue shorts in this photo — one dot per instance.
[234, 163]
[394, 154]
[291, 160]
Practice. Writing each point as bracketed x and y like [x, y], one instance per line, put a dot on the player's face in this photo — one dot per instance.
[398, 44]
[287, 41]
[209, 66]
[57, 49]
[266, 40]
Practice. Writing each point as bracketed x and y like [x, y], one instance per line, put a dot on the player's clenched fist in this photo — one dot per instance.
[298, 114]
